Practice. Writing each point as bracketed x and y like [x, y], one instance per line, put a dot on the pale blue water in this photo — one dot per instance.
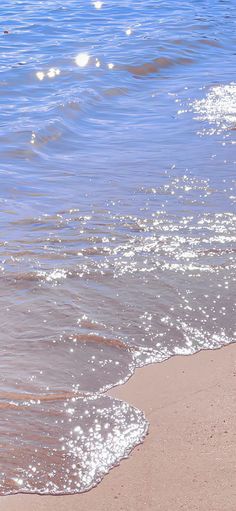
[118, 225]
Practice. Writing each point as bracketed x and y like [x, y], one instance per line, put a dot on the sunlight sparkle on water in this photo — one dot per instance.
[53, 72]
[218, 107]
[82, 59]
[40, 75]
[98, 5]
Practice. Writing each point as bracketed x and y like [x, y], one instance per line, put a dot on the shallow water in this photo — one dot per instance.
[118, 221]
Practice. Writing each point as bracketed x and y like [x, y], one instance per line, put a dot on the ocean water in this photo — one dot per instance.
[118, 219]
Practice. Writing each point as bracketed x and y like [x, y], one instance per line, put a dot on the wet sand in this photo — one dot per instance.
[188, 460]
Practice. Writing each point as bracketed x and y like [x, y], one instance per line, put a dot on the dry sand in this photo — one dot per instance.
[188, 460]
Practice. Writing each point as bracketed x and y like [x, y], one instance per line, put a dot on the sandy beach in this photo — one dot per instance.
[187, 461]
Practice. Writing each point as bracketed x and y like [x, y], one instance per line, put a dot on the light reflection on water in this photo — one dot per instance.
[117, 219]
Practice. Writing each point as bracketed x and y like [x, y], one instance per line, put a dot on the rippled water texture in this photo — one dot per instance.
[118, 221]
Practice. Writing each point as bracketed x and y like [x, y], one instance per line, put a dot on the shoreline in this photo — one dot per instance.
[187, 460]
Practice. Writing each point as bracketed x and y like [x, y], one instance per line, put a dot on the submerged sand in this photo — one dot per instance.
[188, 460]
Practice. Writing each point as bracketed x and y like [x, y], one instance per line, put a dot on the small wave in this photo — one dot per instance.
[63, 444]
[13, 398]
[157, 65]
[98, 339]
